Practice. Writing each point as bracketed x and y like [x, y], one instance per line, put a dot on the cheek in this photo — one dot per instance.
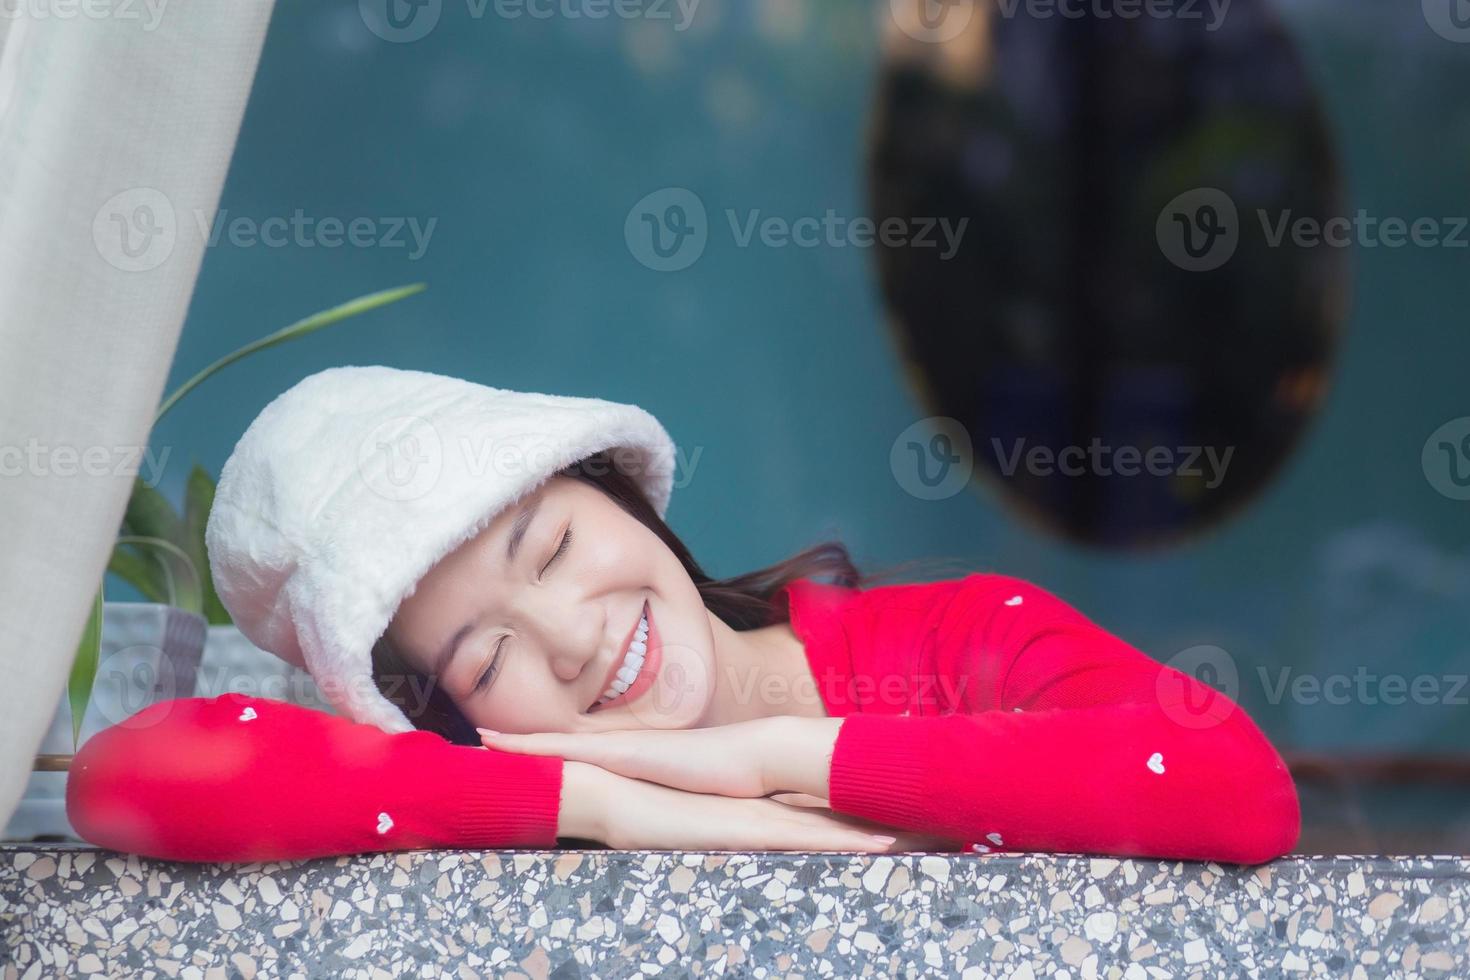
[519, 702]
[686, 685]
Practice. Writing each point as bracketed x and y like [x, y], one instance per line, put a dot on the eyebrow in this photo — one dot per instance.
[518, 529]
[512, 546]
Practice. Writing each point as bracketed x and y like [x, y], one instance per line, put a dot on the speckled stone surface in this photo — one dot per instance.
[69, 911]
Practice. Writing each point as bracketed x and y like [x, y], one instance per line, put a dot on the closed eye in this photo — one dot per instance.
[561, 549]
[493, 669]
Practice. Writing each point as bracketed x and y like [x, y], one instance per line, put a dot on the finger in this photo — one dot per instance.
[838, 835]
[618, 752]
[801, 799]
[840, 839]
[539, 743]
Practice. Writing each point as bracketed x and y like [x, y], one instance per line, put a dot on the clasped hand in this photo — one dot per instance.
[759, 785]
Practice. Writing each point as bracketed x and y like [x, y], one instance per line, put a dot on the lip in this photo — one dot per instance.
[646, 676]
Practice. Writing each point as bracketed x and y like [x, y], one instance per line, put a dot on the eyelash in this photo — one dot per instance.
[566, 541]
[490, 671]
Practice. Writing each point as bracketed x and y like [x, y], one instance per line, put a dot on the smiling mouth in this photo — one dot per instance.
[635, 671]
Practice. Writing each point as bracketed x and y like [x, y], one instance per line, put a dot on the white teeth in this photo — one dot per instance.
[632, 664]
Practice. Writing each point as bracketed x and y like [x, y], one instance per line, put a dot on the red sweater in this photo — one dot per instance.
[981, 709]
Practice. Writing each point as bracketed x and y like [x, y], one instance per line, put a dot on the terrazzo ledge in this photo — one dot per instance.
[69, 910]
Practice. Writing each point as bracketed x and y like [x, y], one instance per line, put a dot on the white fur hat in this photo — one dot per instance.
[351, 485]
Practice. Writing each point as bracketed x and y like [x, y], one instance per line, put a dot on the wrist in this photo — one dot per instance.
[797, 757]
[582, 812]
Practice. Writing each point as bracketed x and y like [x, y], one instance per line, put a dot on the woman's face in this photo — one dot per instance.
[532, 639]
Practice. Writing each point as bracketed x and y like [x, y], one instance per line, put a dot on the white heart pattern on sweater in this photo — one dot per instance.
[248, 714]
[385, 823]
[1156, 762]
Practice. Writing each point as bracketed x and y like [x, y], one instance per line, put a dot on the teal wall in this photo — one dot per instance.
[530, 140]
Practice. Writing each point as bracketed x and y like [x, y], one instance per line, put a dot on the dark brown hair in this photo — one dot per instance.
[743, 602]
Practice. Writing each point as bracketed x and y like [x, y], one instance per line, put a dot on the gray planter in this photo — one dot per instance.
[150, 653]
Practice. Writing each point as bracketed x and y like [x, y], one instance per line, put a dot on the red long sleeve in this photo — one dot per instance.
[241, 778]
[1015, 723]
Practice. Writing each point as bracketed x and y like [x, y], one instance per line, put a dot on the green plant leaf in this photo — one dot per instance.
[198, 499]
[300, 328]
[150, 514]
[84, 670]
[184, 591]
[142, 573]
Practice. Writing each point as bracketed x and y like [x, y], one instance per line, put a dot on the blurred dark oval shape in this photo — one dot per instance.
[1119, 297]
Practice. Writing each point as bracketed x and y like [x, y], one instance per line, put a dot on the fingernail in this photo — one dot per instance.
[487, 731]
[885, 841]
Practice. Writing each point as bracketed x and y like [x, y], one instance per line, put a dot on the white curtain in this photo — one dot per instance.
[117, 122]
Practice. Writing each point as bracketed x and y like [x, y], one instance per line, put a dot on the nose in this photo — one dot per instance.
[571, 632]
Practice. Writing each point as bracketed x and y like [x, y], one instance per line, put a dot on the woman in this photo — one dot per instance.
[623, 695]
